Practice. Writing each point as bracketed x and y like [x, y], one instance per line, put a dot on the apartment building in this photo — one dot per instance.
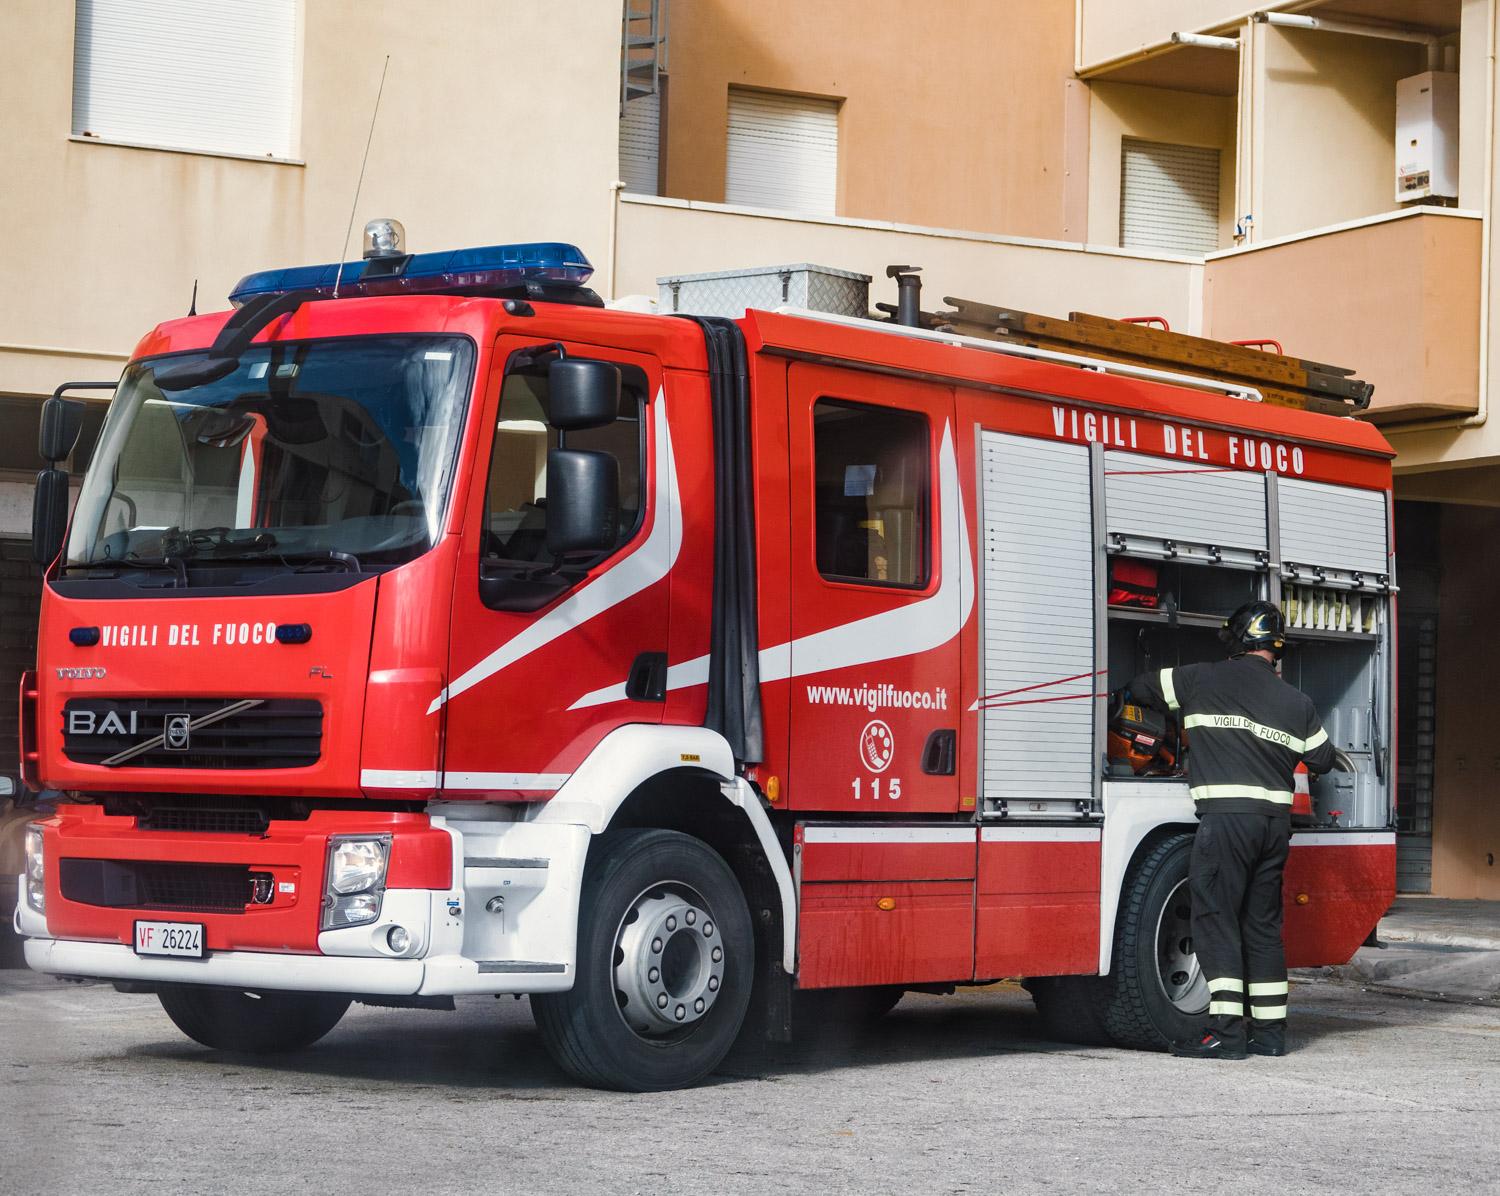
[1237, 172]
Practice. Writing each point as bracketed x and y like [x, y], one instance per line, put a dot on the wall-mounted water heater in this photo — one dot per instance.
[1427, 136]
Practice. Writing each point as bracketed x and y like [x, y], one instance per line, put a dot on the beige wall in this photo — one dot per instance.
[661, 236]
[955, 115]
[1396, 300]
[102, 242]
[1111, 29]
[1120, 110]
[1465, 814]
[1323, 127]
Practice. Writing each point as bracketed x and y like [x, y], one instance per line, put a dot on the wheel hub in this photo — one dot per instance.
[669, 962]
[1177, 966]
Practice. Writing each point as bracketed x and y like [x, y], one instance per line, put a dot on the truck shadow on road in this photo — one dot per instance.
[482, 1047]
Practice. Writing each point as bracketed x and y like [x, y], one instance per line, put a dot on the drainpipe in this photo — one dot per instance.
[1479, 418]
[612, 252]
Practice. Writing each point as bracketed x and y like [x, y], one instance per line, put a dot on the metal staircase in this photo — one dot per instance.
[643, 49]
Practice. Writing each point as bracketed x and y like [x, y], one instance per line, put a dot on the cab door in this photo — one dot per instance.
[535, 682]
[881, 582]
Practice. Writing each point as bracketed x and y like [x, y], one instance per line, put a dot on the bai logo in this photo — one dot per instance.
[876, 746]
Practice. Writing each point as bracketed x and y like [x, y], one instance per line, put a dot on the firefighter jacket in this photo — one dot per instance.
[1247, 730]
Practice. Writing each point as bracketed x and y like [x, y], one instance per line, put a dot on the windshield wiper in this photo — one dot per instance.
[116, 564]
[209, 545]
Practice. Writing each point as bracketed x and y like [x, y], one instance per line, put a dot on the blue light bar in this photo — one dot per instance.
[485, 267]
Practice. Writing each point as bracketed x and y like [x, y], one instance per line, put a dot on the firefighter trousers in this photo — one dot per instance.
[1235, 881]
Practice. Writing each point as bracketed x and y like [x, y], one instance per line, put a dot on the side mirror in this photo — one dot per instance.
[49, 514]
[582, 394]
[583, 501]
[62, 420]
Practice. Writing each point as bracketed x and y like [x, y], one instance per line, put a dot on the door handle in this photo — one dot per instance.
[647, 680]
[940, 754]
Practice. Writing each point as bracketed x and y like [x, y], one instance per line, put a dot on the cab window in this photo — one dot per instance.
[872, 493]
[516, 503]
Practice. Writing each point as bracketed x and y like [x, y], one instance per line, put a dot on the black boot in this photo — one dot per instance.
[1268, 1038]
[1209, 1046]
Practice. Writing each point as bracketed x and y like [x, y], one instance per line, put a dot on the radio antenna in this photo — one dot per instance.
[359, 182]
[193, 305]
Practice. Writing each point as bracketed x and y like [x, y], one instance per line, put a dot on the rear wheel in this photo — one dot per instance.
[1156, 992]
[665, 964]
[228, 1019]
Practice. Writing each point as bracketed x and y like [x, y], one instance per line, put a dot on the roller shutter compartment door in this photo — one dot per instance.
[1175, 500]
[783, 152]
[210, 75]
[1169, 197]
[640, 145]
[1338, 527]
[1037, 708]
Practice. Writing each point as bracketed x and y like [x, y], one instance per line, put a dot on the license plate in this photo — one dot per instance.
[169, 938]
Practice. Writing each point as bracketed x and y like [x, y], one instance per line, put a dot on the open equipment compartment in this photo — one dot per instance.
[1218, 539]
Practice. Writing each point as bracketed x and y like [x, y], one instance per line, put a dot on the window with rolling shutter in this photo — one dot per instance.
[1169, 197]
[218, 76]
[640, 145]
[783, 152]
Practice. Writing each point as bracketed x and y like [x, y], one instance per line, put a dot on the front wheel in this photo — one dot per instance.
[228, 1019]
[665, 963]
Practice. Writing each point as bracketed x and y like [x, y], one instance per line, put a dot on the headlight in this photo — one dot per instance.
[356, 880]
[36, 870]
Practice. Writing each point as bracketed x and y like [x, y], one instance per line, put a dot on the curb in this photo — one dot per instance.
[1438, 938]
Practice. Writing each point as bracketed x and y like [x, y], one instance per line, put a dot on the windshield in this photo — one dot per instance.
[340, 450]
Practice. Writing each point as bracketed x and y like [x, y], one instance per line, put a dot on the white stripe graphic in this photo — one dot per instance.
[886, 835]
[902, 631]
[1040, 834]
[642, 568]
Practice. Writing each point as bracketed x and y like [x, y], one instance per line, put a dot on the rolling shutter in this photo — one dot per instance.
[1169, 197]
[783, 152]
[1157, 497]
[216, 75]
[640, 145]
[1338, 527]
[1038, 592]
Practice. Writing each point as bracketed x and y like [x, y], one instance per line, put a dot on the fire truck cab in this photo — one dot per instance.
[425, 629]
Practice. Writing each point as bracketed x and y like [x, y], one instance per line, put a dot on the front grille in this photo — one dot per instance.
[141, 884]
[274, 733]
[208, 820]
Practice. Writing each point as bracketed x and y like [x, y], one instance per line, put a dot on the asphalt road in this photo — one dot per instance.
[949, 1094]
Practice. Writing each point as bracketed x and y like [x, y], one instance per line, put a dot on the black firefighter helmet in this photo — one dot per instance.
[1255, 626]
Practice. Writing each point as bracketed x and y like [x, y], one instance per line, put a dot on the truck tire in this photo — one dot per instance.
[1155, 993]
[228, 1019]
[666, 958]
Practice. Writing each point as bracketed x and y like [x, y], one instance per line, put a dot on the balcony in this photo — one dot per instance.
[1393, 297]
[659, 237]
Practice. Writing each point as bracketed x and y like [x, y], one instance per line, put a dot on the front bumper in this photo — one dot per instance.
[503, 921]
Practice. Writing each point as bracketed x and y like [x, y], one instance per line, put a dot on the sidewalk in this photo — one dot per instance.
[1433, 947]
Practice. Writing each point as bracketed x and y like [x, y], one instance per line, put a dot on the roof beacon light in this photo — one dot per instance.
[484, 270]
[384, 238]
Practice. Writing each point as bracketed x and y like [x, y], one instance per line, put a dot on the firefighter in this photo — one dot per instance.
[1247, 730]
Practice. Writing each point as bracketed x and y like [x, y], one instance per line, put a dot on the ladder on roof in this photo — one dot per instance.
[1282, 381]
[643, 49]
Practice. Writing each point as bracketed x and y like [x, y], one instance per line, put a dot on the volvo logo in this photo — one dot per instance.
[177, 732]
[93, 673]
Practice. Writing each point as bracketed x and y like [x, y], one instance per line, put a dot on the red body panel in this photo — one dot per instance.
[1038, 903]
[1347, 887]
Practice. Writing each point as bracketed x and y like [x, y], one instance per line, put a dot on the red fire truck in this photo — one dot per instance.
[426, 629]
